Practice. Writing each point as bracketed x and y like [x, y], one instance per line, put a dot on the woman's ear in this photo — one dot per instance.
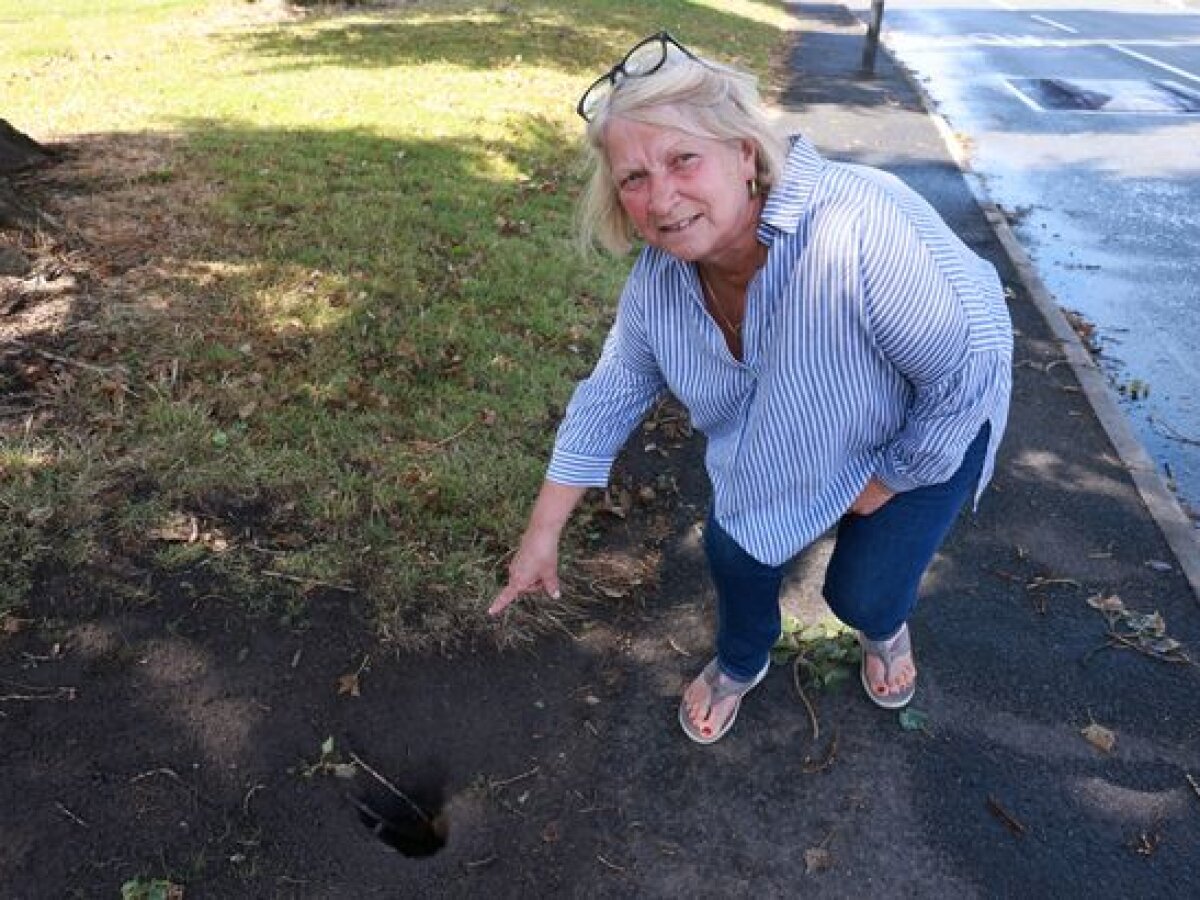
[749, 159]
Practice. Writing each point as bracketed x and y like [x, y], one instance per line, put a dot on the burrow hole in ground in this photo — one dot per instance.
[408, 817]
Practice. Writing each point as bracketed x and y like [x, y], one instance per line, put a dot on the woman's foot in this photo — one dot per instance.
[888, 671]
[710, 703]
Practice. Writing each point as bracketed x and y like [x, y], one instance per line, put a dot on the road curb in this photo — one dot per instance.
[1160, 502]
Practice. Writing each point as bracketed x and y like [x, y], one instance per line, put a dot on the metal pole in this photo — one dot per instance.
[873, 29]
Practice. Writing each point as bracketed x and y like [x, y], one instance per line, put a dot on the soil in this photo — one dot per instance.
[182, 739]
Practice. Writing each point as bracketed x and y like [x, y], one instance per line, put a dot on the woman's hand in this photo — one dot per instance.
[534, 567]
[873, 496]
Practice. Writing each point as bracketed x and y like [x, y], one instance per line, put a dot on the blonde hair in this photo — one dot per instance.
[700, 97]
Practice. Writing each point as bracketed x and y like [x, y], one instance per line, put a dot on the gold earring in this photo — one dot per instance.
[752, 187]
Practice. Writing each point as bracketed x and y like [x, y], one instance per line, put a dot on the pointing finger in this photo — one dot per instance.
[503, 599]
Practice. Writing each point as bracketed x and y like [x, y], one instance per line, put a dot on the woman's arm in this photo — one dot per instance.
[937, 313]
[603, 411]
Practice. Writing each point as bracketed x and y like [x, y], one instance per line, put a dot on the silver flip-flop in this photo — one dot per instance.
[887, 652]
[719, 689]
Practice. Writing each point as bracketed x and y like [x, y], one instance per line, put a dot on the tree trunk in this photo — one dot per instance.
[18, 152]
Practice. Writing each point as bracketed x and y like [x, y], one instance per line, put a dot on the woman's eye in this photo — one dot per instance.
[683, 160]
[632, 180]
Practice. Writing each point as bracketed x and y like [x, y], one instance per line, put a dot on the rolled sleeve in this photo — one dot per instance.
[577, 470]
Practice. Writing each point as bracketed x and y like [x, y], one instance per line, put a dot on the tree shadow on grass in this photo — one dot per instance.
[582, 37]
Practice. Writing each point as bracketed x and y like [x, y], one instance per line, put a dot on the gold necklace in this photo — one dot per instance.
[735, 330]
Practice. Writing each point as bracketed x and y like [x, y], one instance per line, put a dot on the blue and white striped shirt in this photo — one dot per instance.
[874, 343]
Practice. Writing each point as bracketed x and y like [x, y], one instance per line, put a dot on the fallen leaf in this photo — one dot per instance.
[12, 624]
[1147, 624]
[816, 859]
[1099, 737]
[348, 684]
[1110, 604]
[1146, 843]
[913, 719]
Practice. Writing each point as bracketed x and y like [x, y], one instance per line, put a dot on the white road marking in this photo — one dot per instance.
[1028, 101]
[1150, 60]
[1059, 25]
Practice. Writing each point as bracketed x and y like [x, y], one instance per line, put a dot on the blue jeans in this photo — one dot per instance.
[872, 579]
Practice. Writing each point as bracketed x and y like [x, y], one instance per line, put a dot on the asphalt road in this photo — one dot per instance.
[1082, 122]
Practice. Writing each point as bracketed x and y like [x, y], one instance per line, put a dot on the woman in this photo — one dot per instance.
[846, 356]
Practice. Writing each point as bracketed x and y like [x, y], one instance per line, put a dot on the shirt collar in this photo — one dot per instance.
[791, 193]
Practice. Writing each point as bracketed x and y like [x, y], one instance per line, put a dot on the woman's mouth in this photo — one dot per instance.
[680, 225]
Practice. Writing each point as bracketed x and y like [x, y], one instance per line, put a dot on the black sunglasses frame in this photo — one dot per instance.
[610, 77]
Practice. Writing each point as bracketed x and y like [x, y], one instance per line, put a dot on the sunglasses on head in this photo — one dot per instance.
[645, 58]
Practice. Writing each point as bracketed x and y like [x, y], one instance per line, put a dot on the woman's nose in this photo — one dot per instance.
[662, 194]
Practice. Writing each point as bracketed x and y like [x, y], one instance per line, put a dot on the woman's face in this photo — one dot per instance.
[686, 195]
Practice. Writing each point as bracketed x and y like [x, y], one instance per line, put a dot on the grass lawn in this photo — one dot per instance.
[328, 307]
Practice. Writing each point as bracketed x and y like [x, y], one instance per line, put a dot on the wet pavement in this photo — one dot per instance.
[1081, 123]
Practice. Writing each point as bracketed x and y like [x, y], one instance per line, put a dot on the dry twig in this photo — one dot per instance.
[249, 796]
[70, 815]
[812, 713]
[39, 693]
[507, 781]
[391, 787]
[310, 582]
[677, 648]
[1195, 785]
[611, 865]
[1011, 822]
[812, 768]
[163, 771]
[1120, 640]
[68, 361]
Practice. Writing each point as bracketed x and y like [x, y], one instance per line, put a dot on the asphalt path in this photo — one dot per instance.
[1082, 122]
